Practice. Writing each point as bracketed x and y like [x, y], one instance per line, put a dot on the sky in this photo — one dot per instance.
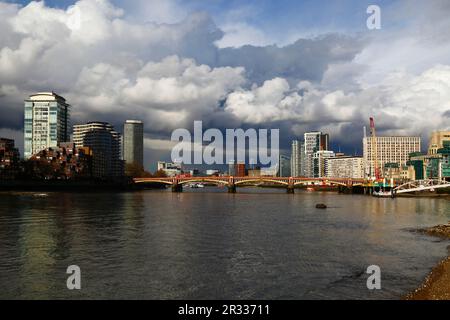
[293, 65]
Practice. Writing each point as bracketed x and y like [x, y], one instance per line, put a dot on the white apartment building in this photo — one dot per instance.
[320, 164]
[46, 122]
[388, 150]
[345, 167]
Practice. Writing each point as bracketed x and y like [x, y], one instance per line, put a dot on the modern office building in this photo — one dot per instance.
[313, 142]
[319, 163]
[133, 142]
[296, 158]
[437, 141]
[105, 144]
[46, 122]
[435, 164]
[444, 163]
[284, 166]
[389, 150]
[345, 167]
[416, 168]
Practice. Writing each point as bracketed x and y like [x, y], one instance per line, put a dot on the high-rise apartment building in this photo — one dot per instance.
[313, 142]
[296, 158]
[320, 164]
[105, 144]
[46, 122]
[133, 142]
[388, 150]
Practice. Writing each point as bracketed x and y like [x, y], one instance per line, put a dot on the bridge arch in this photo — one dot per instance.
[199, 180]
[257, 181]
[315, 182]
[167, 182]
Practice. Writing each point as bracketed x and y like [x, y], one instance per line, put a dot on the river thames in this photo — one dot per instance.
[208, 244]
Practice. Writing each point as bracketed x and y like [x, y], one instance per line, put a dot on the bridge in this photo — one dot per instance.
[232, 182]
[421, 186]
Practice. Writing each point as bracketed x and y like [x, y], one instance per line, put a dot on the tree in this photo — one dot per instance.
[135, 170]
[37, 169]
[160, 174]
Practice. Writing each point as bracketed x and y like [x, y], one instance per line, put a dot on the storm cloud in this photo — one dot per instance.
[112, 67]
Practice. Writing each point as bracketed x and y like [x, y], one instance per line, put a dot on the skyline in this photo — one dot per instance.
[331, 82]
[190, 146]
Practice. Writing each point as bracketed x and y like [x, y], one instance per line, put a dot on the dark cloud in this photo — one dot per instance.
[100, 67]
[112, 68]
[306, 59]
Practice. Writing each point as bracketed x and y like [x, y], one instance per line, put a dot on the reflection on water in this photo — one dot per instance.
[204, 244]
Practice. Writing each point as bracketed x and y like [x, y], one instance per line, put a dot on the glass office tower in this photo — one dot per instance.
[133, 142]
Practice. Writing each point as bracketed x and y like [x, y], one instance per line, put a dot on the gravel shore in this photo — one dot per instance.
[437, 284]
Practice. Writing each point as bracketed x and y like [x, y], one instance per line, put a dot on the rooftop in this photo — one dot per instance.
[46, 96]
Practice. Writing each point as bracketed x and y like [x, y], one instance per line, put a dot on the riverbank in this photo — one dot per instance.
[437, 284]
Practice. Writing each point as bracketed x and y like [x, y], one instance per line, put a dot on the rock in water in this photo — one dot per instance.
[321, 206]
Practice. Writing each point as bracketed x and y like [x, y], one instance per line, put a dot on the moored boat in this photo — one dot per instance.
[382, 194]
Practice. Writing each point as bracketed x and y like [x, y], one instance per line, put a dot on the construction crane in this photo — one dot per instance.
[374, 149]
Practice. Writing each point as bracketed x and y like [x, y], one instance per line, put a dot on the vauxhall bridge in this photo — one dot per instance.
[290, 183]
[231, 182]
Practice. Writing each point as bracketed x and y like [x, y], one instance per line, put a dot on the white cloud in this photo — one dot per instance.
[272, 101]
[157, 11]
[401, 100]
[238, 34]
[108, 65]
[165, 94]
[164, 67]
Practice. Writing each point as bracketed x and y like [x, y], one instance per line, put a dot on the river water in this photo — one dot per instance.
[208, 244]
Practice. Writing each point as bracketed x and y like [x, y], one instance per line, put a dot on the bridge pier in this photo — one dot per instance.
[290, 189]
[232, 188]
[177, 187]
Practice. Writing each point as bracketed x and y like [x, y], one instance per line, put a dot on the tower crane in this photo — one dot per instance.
[374, 148]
